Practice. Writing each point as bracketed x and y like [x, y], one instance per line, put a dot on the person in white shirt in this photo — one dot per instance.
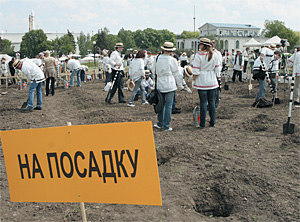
[117, 74]
[274, 69]
[218, 53]
[183, 60]
[294, 61]
[36, 77]
[192, 57]
[149, 62]
[137, 75]
[206, 66]
[238, 66]
[166, 69]
[75, 67]
[107, 68]
[246, 59]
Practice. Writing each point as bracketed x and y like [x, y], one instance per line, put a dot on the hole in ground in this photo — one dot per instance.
[215, 203]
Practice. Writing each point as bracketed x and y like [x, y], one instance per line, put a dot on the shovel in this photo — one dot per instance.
[24, 105]
[289, 128]
[226, 87]
[277, 100]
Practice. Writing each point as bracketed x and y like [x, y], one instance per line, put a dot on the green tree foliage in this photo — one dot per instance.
[33, 42]
[63, 45]
[72, 38]
[127, 37]
[189, 35]
[84, 43]
[6, 47]
[278, 28]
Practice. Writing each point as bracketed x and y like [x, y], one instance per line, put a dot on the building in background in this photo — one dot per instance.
[228, 36]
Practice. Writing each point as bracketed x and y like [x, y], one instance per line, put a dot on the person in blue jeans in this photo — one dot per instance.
[36, 76]
[75, 66]
[166, 69]
[206, 73]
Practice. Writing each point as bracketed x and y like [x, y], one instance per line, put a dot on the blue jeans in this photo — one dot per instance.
[217, 97]
[107, 77]
[38, 87]
[262, 89]
[207, 96]
[77, 72]
[138, 86]
[164, 117]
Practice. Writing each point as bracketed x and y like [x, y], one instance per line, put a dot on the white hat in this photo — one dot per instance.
[168, 46]
[119, 44]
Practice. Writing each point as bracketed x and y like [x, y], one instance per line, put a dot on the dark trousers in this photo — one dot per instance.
[245, 66]
[82, 75]
[52, 85]
[237, 73]
[118, 84]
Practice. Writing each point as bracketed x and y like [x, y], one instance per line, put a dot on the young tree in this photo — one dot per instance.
[189, 35]
[278, 28]
[6, 47]
[34, 42]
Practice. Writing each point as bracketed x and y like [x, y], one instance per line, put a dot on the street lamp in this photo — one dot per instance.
[94, 44]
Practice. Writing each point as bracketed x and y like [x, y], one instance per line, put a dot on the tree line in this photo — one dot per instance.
[36, 41]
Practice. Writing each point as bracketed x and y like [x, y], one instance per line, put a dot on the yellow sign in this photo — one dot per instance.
[107, 163]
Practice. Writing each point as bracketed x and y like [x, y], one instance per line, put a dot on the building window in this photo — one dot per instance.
[182, 45]
[226, 44]
[237, 44]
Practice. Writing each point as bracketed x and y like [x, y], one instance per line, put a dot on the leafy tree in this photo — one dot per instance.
[84, 43]
[189, 35]
[6, 47]
[63, 45]
[72, 38]
[34, 42]
[127, 38]
[278, 28]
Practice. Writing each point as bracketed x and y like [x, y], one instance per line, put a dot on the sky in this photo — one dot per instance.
[56, 16]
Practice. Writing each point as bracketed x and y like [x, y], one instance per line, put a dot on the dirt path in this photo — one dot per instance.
[244, 169]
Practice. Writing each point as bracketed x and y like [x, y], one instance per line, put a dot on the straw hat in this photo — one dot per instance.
[205, 41]
[131, 85]
[184, 54]
[238, 50]
[16, 63]
[147, 72]
[135, 51]
[273, 46]
[168, 46]
[188, 71]
[119, 44]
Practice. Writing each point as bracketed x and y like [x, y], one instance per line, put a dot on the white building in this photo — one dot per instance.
[229, 36]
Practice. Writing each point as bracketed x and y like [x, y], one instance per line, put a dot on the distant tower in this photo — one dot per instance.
[31, 21]
[194, 19]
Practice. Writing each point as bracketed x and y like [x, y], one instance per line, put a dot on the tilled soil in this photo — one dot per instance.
[243, 169]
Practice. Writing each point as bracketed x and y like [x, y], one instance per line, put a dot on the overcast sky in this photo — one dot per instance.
[174, 15]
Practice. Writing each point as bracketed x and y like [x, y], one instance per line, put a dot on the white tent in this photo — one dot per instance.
[252, 43]
[87, 59]
[274, 40]
[92, 55]
[63, 58]
[7, 57]
[75, 55]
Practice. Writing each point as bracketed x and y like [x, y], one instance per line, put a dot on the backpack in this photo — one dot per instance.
[262, 103]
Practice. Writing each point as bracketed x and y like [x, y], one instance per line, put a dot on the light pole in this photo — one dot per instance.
[94, 44]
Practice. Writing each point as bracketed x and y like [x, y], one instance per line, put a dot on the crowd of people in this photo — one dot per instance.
[171, 72]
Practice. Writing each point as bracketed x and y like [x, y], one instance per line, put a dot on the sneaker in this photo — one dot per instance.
[170, 129]
[156, 126]
[28, 109]
[37, 108]
[130, 105]
[145, 103]
[296, 103]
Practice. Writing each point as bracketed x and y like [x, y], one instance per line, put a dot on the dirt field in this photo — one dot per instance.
[243, 169]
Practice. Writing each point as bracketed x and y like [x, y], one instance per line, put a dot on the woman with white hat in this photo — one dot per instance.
[205, 68]
[166, 69]
[137, 74]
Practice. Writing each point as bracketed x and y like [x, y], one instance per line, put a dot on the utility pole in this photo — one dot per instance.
[194, 18]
